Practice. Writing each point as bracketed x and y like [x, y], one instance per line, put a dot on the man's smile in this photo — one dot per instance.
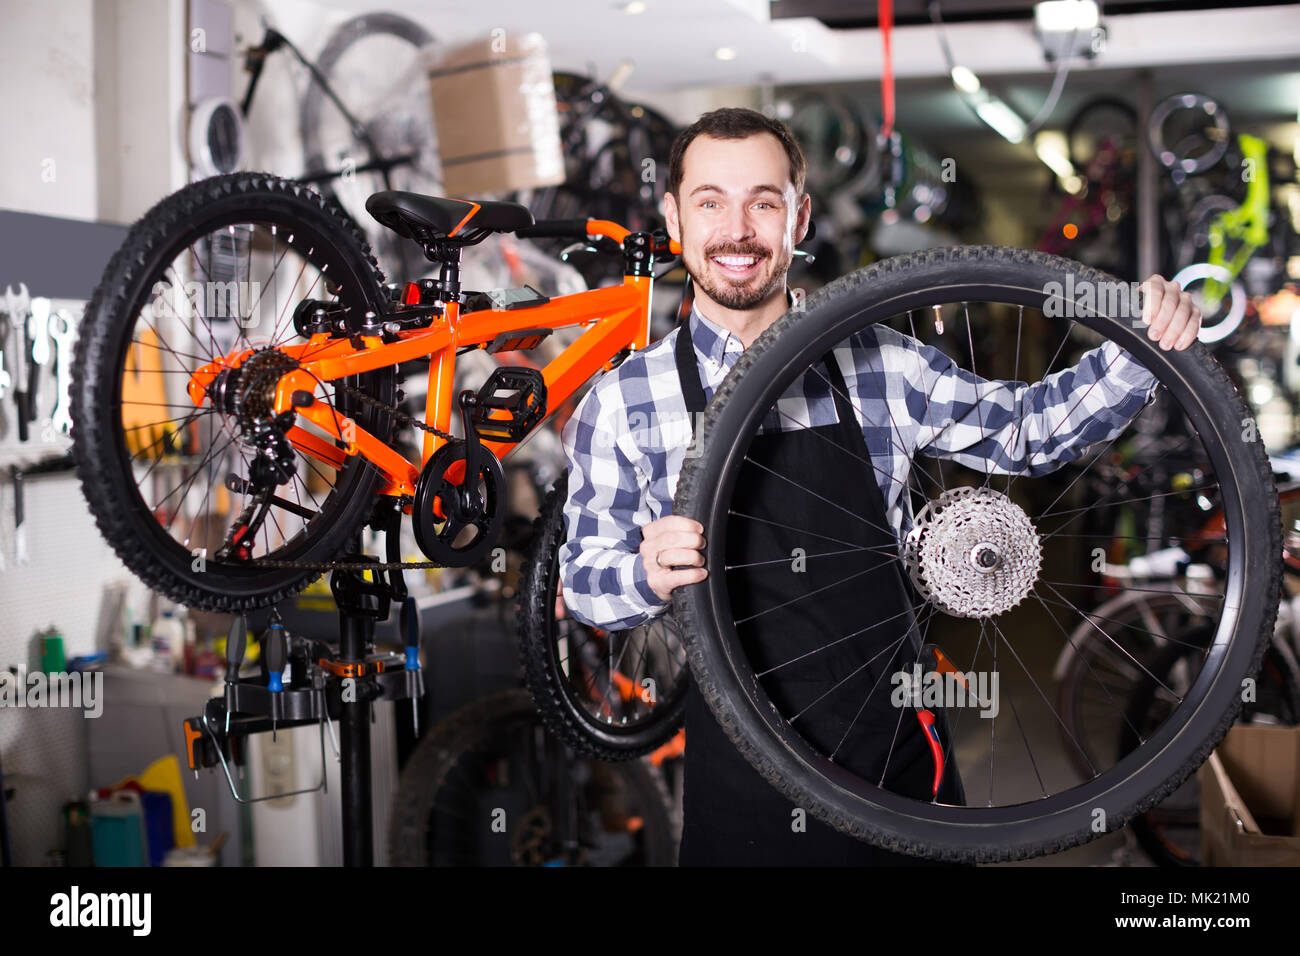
[736, 265]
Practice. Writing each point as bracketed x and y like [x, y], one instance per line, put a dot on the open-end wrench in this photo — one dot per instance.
[5, 380]
[40, 331]
[16, 303]
[63, 329]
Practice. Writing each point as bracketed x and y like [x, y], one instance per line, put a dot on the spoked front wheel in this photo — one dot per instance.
[980, 475]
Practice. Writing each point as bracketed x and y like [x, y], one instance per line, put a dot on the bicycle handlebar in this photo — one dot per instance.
[583, 228]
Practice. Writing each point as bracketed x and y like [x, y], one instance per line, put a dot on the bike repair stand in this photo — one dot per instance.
[327, 685]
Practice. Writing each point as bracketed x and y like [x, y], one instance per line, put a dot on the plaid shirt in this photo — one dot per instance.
[631, 434]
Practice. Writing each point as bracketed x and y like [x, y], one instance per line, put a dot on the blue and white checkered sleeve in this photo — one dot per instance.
[1011, 427]
[604, 578]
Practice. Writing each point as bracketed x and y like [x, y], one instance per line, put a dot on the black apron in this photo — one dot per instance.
[731, 815]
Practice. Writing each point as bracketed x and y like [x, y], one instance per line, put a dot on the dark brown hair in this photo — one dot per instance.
[735, 122]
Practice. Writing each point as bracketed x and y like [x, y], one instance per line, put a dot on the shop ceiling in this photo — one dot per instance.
[675, 44]
[1243, 53]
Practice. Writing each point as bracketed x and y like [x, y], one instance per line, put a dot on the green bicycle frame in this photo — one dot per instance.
[1247, 224]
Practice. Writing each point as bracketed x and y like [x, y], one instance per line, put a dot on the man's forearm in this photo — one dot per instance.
[606, 587]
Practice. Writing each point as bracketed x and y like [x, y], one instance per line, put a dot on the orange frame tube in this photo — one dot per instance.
[615, 317]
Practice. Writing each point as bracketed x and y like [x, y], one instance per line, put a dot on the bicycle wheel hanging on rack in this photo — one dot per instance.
[177, 480]
[492, 764]
[374, 65]
[992, 565]
[1188, 133]
[612, 695]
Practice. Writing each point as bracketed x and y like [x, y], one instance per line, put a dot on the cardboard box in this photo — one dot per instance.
[494, 110]
[1250, 798]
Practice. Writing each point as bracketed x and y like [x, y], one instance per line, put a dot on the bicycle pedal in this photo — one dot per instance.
[509, 404]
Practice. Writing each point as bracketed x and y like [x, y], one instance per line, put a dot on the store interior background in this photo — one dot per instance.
[100, 92]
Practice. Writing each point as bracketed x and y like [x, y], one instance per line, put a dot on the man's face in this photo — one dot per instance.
[738, 218]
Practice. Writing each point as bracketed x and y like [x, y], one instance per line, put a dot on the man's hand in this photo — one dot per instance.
[670, 551]
[1171, 317]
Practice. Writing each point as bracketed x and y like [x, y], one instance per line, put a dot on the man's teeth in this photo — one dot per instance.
[736, 261]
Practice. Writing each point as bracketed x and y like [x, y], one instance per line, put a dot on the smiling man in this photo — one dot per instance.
[737, 205]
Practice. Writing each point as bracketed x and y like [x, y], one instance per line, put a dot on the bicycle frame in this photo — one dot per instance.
[1248, 223]
[616, 317]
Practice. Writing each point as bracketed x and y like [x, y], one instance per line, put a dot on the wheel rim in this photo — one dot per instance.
[619, 684]
[807, 773]
[164, 345]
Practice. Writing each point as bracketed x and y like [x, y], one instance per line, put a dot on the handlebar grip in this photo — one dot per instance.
[554, 229]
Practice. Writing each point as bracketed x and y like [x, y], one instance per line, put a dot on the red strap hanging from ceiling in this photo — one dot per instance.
[886, 10]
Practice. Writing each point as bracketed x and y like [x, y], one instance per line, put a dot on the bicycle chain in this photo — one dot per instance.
[401, 418]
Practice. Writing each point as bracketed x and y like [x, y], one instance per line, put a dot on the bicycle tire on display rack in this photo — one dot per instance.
[974, 553]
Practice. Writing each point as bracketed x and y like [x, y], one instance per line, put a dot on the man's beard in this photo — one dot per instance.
[738, 296]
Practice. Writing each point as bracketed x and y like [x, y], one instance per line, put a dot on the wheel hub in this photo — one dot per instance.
[973, 552]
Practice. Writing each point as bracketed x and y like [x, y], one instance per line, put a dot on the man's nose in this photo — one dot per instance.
[738, 225]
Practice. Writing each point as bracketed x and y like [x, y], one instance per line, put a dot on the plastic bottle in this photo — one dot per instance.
[168, 642]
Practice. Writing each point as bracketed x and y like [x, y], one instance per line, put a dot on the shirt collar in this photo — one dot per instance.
[711, 340]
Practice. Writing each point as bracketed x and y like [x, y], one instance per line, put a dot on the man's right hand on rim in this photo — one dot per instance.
[671, 552]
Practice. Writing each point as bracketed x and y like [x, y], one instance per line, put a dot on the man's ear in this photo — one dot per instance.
[802, 219]
[670, 217]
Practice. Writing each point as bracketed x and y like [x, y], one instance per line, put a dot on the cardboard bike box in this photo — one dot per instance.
[495, 115]
[1250, 798]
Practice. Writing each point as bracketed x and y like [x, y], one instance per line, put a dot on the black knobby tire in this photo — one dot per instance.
[436, 759]
[550, 687]
[766, 738]
[104, 462]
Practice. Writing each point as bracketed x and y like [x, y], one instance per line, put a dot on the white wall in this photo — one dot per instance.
[92, 106]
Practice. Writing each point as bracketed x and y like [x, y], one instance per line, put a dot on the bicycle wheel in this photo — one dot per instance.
[1099, 121]
[1107, 657]
[489, 787]
[1170, 833]
[218, 269]
[1188, 133]
[373, 64]
[1027, 801]
[612, 695]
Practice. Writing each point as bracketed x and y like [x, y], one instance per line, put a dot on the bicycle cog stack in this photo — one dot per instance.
[973, 552]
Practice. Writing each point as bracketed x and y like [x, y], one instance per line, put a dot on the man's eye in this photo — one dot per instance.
[708, 202]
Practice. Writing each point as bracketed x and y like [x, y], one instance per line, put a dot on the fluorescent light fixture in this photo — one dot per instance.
[725, 53]
[1004, 122]
[1051, 148]
[965, 80]
[1066, 16]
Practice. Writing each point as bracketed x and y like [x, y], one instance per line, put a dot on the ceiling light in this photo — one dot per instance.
[725, 53]
[1000, 116]
[633, 8]
[1051, 148]
[1069, 28]
[1065, 16]
[965, 80]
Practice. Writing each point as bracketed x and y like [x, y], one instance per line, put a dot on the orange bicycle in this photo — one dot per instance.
[237, 415]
